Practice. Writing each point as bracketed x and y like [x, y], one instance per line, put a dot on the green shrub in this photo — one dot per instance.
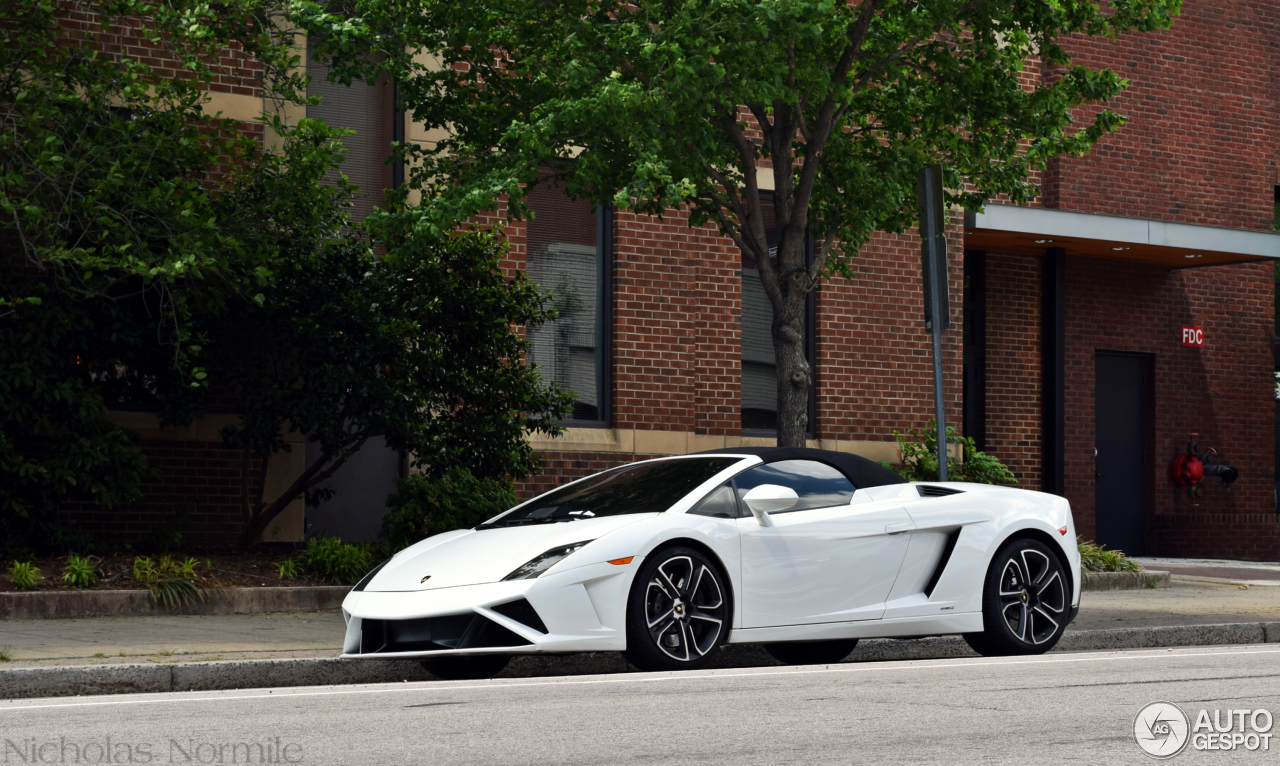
[171, 583]
[919, 459]
[1096, 558]
[422, 507]
[334, 561]
[25, 575]
[79, 573]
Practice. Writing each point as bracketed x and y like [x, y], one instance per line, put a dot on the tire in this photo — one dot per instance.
[1026, 601]
[811, 652]
[466, 667]
[679, 611]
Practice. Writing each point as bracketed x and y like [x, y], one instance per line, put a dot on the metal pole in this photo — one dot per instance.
[938, 284]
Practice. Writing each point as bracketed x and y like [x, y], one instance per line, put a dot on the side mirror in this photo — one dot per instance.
[769, 497]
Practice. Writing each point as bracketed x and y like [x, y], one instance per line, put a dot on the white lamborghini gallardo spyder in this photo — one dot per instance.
[803, 550]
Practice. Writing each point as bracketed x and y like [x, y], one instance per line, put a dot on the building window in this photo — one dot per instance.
[568, 255]
[759, 402]
[367, 110]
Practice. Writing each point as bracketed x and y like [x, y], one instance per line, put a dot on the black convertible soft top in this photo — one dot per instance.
[859, 470]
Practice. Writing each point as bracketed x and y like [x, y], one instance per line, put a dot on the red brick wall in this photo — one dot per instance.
[875, 360]
[658, 268]
[1222, 391]
[1203, 111]
[1013, 365]
[234, 72]
[196, 483]
[1246, 536]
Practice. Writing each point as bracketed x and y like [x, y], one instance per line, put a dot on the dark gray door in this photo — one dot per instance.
[1121, 401]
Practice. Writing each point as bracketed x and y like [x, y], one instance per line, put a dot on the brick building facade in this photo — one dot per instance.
[1166, 223]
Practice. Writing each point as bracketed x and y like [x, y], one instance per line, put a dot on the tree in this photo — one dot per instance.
[123, 211]
[661, 104]
[416, 347]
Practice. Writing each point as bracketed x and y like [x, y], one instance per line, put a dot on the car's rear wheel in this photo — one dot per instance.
[811, 652]
[1025, 601]
[678, 612]
[466, 667]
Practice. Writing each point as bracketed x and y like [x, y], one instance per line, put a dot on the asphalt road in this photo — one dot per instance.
[1054, 709]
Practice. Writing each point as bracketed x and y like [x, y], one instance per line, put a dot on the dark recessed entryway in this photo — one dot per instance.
[1122, 397]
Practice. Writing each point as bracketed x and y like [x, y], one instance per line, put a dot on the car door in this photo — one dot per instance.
[823, 560]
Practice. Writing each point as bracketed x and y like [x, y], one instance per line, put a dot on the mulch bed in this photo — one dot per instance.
[216, 570]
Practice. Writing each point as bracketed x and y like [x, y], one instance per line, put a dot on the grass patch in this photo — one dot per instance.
[1097, 558]
[6, 654]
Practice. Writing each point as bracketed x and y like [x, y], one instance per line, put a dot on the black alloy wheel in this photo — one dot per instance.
[1025, 602]
[466, 667]
[678, 613]
[811, 652]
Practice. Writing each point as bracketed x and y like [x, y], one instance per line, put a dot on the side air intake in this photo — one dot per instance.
[947, 549]
[929, 490]
[522, 612]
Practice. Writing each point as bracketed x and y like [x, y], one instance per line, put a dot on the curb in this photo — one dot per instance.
[65, 605]
[26, 683]
[1148, 578]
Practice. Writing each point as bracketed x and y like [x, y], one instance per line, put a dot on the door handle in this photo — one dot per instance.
[899, 528]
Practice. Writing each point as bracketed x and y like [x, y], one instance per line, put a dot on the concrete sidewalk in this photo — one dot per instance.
[179, 639]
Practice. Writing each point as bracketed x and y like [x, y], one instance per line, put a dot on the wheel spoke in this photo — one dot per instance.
[1018, 578]
[698, 615]
[658, 632]
[659, 619]
[710, 583]
[1028, 569]
[656, 582]
[1020, 629]
[1052, 621]
[1059, 592]
[690, 641]
[662, 570]
[695, 581]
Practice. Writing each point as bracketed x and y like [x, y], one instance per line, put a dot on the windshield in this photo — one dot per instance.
[644, 488]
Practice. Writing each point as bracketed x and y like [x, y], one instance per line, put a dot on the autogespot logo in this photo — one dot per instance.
[1161, 729]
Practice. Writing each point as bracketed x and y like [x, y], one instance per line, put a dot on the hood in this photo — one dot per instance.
[471, 557]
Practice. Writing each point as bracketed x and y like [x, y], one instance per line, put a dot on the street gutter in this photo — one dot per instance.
[27, 683]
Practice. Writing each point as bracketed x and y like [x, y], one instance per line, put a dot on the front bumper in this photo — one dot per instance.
[578, 610]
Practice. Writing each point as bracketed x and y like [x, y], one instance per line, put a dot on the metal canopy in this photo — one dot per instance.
[1029, 230]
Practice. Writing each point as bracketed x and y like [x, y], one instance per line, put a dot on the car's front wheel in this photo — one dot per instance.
[678, 612]
[1025, 601]
[466, 667]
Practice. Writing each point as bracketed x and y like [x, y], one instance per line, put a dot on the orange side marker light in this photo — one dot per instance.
[620, 562]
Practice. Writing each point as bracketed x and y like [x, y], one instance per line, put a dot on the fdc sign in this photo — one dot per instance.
[1192, 337]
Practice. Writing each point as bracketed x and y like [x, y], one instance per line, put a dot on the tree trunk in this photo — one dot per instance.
[795, 377]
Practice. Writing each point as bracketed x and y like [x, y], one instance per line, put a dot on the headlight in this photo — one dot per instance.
[365, 580]
[544, 562]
